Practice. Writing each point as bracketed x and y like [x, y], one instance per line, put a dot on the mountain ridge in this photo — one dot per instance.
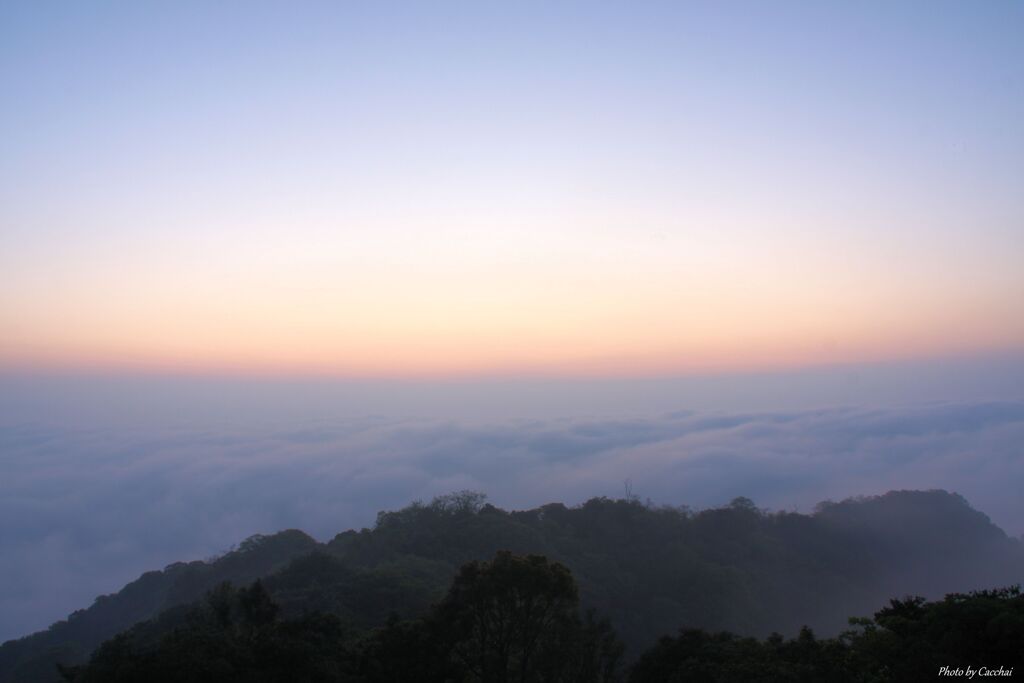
[648, 569]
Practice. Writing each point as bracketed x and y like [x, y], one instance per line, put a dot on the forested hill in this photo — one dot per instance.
[650, 570]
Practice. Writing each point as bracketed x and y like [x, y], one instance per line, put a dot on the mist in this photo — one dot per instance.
[107, 477]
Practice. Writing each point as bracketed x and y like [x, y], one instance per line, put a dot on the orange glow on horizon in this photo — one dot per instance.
[442, 325]
[430, 358]
[441, 204]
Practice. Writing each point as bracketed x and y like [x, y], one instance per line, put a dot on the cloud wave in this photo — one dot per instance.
[87, 509]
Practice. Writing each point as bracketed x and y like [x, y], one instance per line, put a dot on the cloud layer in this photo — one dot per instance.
[83, 510]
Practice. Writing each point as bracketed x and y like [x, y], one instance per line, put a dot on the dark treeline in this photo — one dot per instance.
[516, 619]
[648, 570]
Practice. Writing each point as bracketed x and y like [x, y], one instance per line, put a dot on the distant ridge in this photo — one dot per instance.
[649, 569]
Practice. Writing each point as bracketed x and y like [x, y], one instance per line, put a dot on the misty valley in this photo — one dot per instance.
[891, 587]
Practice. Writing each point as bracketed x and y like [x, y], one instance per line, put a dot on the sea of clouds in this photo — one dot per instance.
[87, 506]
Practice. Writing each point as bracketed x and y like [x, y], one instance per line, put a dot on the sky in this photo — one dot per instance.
[272, 265]
[468, 189]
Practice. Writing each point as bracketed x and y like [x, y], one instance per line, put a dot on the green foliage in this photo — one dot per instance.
[515, 619]
[510, 616]
[910, 640]
[696, 655]
[235, 635]
[648, 569]
[361, 597]
[512, 619]
[910, 636]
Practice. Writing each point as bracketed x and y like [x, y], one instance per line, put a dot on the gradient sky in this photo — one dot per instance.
[491, 188]
[716, 249]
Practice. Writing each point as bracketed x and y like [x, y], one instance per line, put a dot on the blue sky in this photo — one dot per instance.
[452, 189]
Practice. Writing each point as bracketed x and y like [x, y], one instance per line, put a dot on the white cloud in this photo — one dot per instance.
[86, 510]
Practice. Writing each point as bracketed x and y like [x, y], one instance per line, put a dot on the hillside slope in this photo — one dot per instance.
[650, 570]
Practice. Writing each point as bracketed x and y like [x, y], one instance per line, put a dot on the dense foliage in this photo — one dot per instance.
[516, 620]
[513, 619]
[910, 640]
[649, 570]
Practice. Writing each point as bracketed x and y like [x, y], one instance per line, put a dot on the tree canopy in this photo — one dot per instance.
[647, 569]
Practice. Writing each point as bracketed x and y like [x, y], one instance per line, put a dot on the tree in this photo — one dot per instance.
[513, 619]
[508, 614]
